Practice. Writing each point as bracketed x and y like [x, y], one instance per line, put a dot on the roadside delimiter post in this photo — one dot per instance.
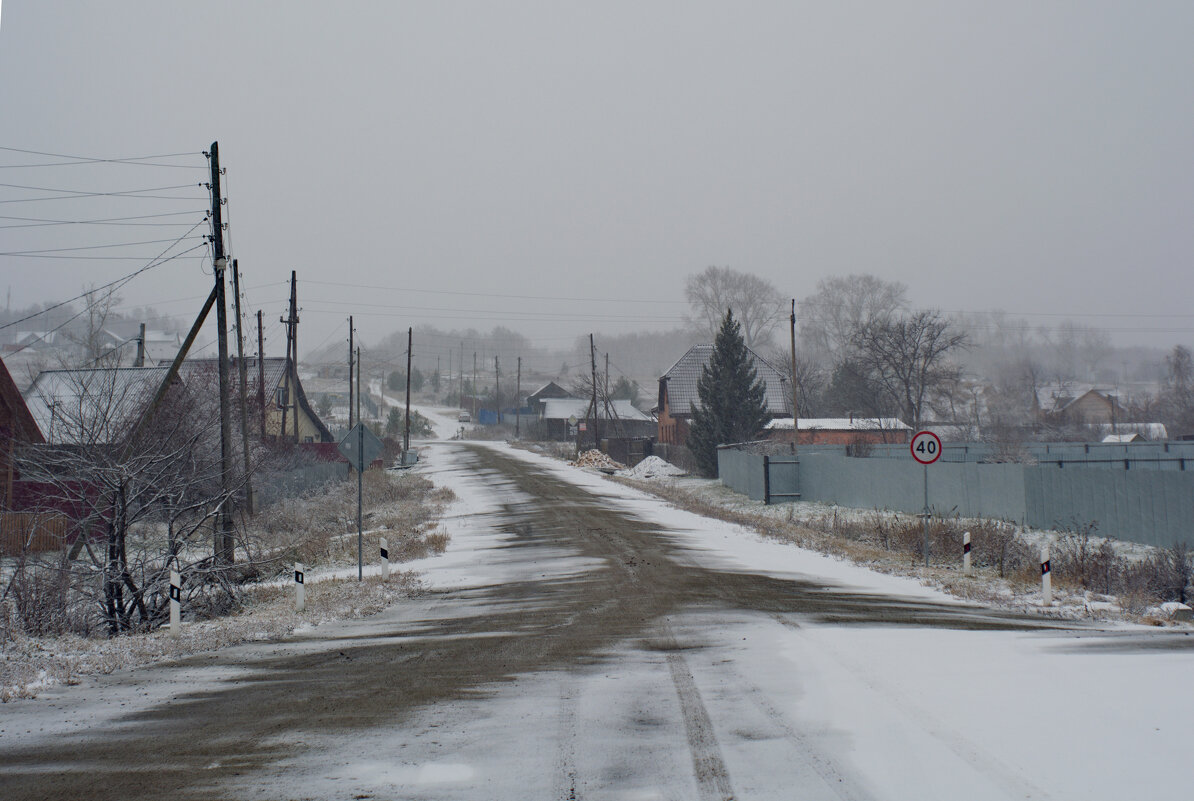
[300, 591]
[175, 602]
[1046, 576]
[385, 560]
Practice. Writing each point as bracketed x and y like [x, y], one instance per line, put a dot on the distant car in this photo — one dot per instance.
[464, 417]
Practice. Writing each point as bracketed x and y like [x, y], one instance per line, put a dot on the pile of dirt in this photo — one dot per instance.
[596, 458]
[652, 467]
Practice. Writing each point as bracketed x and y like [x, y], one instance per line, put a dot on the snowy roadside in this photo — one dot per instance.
[812, 526]
[29, 664]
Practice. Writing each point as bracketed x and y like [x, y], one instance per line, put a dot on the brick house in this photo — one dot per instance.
[678, 392]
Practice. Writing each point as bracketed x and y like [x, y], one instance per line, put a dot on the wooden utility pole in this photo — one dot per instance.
[460, 397]
[223, 550]
[261, 372]
[360, 420]
[140, 362]
[350, 368]
[244, 385]
[474, 392]
[795, 405]
[289, 394]
[497, 388]
[410, 341]
[518, 401]
[593, 365]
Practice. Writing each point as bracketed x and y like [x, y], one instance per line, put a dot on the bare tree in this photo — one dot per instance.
[138, 496]
[842, 306]
[907, 357]
[757, 304]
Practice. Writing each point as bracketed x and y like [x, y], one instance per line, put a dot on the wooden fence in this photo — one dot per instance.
[32, 532]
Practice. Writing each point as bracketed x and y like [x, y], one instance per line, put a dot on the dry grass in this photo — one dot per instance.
[267, 613]
[318, 529]
[1006, 570]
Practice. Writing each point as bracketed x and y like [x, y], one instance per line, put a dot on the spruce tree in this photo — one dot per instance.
[731, 404]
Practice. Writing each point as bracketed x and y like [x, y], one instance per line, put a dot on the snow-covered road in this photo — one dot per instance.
[583, 640]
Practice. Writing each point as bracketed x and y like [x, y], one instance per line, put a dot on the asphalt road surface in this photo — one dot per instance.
[600, 657]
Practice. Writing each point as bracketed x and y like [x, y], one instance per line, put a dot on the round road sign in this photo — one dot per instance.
[926, 447]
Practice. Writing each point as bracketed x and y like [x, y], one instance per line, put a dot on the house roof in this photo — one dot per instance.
[550, 390]
[682, 378]
[563, 408]
[91, 407]
[840, 424]
[275, 370]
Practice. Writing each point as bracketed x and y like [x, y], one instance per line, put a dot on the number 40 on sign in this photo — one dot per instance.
[926, 447]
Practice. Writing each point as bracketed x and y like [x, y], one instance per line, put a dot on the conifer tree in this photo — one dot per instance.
[731, 404]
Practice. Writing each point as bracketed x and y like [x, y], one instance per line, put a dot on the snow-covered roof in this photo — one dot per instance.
[91, 407]
[840, 424]
[1156, 432]
[564, 408]
[682, 378]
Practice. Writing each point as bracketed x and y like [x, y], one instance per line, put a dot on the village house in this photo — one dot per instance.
[618, 418]
[678, 392]
[17, 428]
[270, 382]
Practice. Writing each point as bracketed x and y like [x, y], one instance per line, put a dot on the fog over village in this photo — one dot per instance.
[563, 400]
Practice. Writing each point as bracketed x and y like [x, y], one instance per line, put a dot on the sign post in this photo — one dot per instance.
[360, 447]
[926, 449]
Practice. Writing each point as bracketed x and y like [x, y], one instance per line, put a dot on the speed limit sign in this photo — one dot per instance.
[926, 447]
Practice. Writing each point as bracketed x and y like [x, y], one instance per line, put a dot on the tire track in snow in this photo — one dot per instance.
[712, 776]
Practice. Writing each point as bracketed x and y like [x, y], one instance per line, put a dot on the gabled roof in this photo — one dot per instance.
[275, 370]
[563, 408]
[549, 390]
[682, 378]
[91, 407]
[24, 426]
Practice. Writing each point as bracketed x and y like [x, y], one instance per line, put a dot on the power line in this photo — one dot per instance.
[41, 222]
[138, 161]
[91, 247]
[154, 262]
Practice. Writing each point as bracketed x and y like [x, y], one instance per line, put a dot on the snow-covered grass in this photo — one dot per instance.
[318, 530]
[1006, 572]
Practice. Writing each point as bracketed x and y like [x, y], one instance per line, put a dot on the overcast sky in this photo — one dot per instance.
[415, 161]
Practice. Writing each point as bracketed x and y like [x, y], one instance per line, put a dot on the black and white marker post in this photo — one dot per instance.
[926, 449]
[966, 571]
[385, 560]
[1046, 576]
[300, 589]
[175, 602]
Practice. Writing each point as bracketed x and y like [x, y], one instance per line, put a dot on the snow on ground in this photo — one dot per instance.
[800, 708]
[924, 713]
[442, 418]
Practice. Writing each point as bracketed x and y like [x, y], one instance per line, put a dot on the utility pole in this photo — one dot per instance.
[350, 368]
[437, 371]
[410, 334]
[261, 371]
[460, 397]
[518, 402]
[140, 362]
[360, 420]
[474, 392]
[795, 409]
[593, 365]
[497, 388]
[291, 379]
[244, 385]
[223, 550]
